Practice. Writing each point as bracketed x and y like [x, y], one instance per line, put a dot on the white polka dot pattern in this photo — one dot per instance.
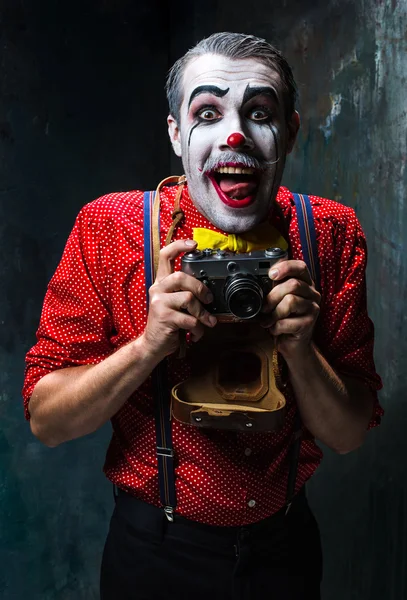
[96, 302]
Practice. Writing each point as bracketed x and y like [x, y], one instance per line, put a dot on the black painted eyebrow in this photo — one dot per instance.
[251, 92]
[207, 89]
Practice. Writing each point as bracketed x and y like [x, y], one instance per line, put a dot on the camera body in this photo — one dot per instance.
[239, 282]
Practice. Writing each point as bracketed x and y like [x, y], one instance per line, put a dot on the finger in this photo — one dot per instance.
[296, 326]
[183, 320]
[186, 301]
[180, 281]
[291, 268]
[197, 332]
[169, 254]
[168, 307]
[295, 287]
[289, 307]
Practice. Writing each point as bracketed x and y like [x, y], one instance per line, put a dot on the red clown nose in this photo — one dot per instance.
[235, 140]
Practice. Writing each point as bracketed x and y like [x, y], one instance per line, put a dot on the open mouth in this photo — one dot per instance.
[235, 184]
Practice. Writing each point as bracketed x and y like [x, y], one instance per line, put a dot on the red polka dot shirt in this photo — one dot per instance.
[96, 302]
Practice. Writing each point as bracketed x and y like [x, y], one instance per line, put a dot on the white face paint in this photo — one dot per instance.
[223, 96]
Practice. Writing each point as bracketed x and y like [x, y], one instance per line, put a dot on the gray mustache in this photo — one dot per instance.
[214, 162]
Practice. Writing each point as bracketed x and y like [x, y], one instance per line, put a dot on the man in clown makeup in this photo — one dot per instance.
[203, 512]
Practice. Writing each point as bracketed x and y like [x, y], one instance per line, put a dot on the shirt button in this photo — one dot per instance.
[252, 503]
[248, 451]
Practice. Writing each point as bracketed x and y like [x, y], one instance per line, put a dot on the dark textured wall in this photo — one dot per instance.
[82, 112]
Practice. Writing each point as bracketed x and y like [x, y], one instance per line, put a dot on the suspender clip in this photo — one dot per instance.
[169, 513]
[168, 452]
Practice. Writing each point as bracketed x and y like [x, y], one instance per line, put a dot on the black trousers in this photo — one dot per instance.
[148, 558]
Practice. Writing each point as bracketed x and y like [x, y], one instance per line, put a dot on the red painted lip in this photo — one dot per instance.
[244, 202]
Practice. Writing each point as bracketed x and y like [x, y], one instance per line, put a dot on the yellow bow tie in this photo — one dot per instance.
[262, 237]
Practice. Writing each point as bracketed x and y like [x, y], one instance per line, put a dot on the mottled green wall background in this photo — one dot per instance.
[82, 112]
[351, 63]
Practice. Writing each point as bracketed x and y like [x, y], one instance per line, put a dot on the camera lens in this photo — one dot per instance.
[243, 296]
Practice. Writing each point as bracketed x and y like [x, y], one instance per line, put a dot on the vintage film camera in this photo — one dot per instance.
[239, 282]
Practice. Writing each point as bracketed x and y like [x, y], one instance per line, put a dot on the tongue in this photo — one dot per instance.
[237, 189]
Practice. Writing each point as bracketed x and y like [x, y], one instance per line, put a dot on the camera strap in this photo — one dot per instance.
[161, 392]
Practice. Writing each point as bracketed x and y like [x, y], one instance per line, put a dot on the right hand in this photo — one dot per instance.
[175, 303]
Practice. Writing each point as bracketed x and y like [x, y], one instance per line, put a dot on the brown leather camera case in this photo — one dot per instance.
[234, 381]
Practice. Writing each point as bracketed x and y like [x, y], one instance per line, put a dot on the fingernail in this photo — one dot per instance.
[209, 297]
[273, 274]
[213, 320]
[190, 243]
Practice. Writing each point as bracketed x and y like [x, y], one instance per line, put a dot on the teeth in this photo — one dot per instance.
[235, 170]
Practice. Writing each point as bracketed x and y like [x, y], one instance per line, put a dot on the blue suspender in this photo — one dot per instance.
[308, 236]
[148, 241]
[310, 254]
[165, 453]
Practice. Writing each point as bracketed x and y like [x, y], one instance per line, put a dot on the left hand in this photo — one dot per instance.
[292, 307]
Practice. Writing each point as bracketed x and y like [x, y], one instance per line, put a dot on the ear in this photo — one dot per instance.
[175, 136]
[293, 126]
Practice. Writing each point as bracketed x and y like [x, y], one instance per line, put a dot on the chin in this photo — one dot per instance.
[237, 223]
[228, 218]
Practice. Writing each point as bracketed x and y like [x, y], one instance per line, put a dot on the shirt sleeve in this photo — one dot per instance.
[75, 322]
[345, 332]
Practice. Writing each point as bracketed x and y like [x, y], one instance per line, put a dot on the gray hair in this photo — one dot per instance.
[232, 45]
